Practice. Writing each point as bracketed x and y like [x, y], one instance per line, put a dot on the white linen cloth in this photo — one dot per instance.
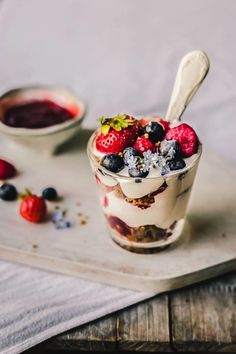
[121, 56]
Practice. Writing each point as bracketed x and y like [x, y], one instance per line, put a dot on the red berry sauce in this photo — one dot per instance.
[119, 225]
[36, 114]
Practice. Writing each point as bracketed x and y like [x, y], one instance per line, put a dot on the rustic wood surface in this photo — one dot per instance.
[198, 318]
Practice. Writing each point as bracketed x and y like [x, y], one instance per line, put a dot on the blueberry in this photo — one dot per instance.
[128, 152]
[170, 149]
[154, 130]
[50, 194]
[8, 192]
[135, 172]
[176, 164]
[113, 162]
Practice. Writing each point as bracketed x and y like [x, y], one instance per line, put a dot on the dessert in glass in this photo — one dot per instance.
[144, 171]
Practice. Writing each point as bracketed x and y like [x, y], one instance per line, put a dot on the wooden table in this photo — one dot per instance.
[198, 318]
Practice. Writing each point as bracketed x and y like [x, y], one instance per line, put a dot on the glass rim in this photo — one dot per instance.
[119, 176]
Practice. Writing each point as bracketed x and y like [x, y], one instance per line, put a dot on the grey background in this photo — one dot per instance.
[120, 56]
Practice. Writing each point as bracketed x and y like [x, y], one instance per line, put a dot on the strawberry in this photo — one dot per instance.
[7, 170]
[33, 208]
[186, 137]
[143, 144]
[116, 133]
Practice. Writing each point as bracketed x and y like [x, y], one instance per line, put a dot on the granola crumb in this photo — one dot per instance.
[83, 221]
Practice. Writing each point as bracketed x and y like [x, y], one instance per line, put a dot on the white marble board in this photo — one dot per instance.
[207, 249]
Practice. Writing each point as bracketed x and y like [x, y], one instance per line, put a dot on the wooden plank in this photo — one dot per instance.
[145, 327]
[142, 327]
[198, 318]
[99, 335]
[203, 318]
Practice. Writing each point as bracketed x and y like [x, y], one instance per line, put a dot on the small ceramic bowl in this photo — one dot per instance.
[47, 139]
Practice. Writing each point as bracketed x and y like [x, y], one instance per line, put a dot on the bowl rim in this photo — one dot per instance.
[28, 132]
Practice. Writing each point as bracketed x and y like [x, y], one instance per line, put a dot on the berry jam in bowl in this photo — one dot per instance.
[144, 171]
[41, 118]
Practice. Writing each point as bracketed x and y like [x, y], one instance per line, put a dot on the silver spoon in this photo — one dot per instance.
[192, 71]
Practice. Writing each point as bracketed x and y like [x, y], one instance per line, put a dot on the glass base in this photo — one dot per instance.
[170, 236]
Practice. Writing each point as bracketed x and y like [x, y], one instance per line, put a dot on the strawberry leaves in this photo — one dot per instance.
[118, 123]
[22, 196]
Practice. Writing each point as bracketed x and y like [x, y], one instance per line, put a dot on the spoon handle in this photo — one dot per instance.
[192, 71]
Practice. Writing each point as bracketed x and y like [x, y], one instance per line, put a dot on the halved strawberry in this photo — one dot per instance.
[186, 137]
[117, 133]
[33, 208]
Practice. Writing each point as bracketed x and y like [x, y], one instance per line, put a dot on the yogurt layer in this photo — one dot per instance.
[169, 206]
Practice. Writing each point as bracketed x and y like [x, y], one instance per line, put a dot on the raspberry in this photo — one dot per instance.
[7, 170]
[165, 124]
[186, 137]
[143, 144]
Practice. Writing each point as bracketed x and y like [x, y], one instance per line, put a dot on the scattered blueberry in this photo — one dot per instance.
[128, 153]
[8, 192]
[170, 149]
[137, 172]
[154, 130]
[113, 162]
[68, 224]
[50, 194]
[176, 164]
